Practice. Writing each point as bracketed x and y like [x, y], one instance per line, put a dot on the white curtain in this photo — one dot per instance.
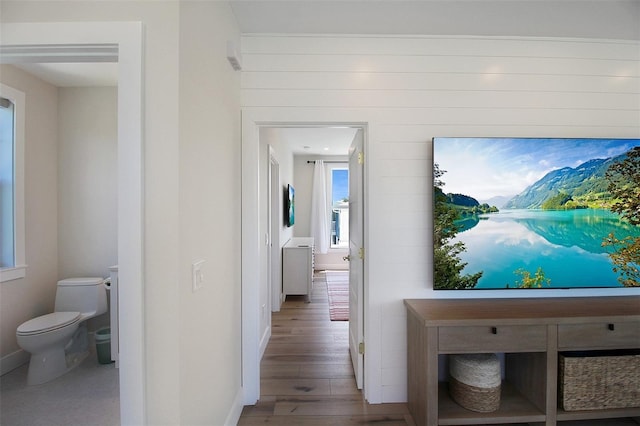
[320, 210]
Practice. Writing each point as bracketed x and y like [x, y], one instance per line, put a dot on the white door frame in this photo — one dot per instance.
[128, 37]
[251, 238]
[275, 219]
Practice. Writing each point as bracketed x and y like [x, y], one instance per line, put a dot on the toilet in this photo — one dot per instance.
[58, 341]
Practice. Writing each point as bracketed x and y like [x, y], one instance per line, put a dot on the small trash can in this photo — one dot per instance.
[103, 345]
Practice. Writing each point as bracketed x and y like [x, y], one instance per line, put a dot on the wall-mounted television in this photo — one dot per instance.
[536, 213]
[289, 209]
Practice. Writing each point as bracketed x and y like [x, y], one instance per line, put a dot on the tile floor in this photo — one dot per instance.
[86, 396]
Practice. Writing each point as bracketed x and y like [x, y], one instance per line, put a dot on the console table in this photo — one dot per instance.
[530, 332]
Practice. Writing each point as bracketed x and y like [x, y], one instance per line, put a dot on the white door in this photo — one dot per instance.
[356, 257]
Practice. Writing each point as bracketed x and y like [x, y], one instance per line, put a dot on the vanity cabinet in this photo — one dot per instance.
[530, 333]
[297, 267]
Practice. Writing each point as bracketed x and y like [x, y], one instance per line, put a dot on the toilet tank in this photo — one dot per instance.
[85, 295]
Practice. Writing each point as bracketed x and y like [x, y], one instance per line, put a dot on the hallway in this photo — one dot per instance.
[306, 372]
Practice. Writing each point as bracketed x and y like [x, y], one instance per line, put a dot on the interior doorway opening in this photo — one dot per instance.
[289, 153]
[108, 41]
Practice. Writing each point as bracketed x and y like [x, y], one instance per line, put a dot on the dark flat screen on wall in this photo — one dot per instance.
[290, 207]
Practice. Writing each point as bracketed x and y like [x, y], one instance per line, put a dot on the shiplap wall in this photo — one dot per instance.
[410, 89]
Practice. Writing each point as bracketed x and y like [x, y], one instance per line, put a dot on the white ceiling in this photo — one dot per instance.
[330, 141]
[79, 74]
[613, 19]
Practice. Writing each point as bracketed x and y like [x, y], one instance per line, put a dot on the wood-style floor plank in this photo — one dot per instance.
[338, 405]
[331, 371]
[381, 420]
[306, 372]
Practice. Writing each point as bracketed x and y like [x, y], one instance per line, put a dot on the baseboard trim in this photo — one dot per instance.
[264, 341]
[236, 409]
[12, 361]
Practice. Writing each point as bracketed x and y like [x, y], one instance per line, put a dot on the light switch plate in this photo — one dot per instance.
[197, 275]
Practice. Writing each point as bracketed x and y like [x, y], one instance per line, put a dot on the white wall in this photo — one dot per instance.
[410, 89]
[160, 20]
[269, 136]
[161, 66]
[87, 175]
[303, 178]
[33, 295]
[209, 199]
[87, 184]
[172, 51]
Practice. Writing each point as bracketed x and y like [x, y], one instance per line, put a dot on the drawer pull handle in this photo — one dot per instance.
[494, 330]
[611, 327]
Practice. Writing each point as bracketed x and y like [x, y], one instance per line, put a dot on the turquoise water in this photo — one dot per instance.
[566, 244]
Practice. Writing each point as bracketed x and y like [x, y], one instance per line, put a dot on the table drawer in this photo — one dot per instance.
[619, 335]
[506, 338]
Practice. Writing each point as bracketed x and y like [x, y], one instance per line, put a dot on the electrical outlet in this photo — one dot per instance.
[197, 275]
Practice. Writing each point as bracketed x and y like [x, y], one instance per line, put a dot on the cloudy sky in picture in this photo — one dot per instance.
[489, 167]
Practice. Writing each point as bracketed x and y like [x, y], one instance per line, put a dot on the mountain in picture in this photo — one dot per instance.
[499, 200]
[585, 186]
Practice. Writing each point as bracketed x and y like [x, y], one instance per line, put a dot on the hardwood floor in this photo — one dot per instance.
[306, 373]
[307, 378]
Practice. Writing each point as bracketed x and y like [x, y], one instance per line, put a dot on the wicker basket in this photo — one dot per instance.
[597, 380]
[474, 381]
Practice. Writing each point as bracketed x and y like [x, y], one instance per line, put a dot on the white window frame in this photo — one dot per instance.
[19, 268]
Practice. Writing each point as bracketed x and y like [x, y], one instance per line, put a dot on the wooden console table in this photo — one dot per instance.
[530, 332]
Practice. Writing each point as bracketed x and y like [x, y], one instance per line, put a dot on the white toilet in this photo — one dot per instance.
[58, 341]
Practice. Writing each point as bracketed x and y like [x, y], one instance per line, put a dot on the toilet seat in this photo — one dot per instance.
[48, 322]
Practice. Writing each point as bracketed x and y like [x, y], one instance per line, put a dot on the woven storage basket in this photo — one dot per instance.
[597, 380]
[474, 381]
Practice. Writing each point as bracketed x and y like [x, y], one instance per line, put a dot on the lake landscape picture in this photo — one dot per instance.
[534, 212]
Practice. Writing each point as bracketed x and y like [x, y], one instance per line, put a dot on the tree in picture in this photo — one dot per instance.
[447, 273]
[624, 185]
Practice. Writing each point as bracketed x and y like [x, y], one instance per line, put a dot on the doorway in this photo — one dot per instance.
[79, 42]
[254, 277]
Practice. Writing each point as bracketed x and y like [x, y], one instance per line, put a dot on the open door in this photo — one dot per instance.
[356, 257]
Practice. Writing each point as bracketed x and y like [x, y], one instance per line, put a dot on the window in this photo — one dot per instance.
[12, 259]
[7, 252]
[339, 189]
